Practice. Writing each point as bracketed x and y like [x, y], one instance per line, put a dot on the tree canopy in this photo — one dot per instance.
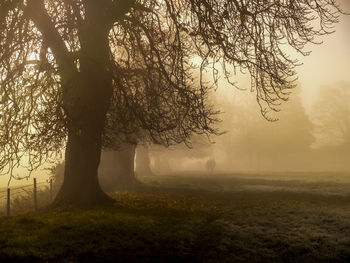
[61, 62]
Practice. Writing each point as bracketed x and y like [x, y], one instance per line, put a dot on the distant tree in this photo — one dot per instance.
[210, 165]
[331, 116]
[145, 114]
[143, 161]
[116, 170]
[76, 51]
[267, 145]
[166, 159]
[292, 133]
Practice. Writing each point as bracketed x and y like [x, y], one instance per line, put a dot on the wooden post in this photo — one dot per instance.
[8, 201]
[51, 189]
[34, 194]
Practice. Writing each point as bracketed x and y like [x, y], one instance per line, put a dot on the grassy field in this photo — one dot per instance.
[275, 217]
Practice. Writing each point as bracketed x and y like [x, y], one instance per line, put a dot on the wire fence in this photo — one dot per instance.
[25, 197]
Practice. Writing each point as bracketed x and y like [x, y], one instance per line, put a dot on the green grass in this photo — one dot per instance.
[193, 219]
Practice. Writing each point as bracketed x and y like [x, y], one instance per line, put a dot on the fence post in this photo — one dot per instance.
[34, 194]
[51, 189]
[8, 201]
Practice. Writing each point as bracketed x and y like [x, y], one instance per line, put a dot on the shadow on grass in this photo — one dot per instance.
[189, 220]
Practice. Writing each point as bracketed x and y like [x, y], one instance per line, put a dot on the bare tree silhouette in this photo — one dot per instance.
[77, 51]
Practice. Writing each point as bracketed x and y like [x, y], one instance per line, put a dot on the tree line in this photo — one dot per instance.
[88, 74]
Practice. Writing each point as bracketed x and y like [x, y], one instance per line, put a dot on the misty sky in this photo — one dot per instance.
[329, 62]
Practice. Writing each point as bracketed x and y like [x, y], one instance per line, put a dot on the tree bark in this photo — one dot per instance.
[86, 98]
[80, 186]
[86, 107]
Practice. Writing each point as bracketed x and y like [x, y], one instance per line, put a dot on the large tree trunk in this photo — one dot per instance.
[126, 175]
[85, 125]
[86, 95]
[116, 171]
[80, 186]
[83, 150]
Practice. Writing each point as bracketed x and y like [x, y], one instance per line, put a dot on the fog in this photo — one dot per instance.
[304, 138]
[295, 139]
[311, 133]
